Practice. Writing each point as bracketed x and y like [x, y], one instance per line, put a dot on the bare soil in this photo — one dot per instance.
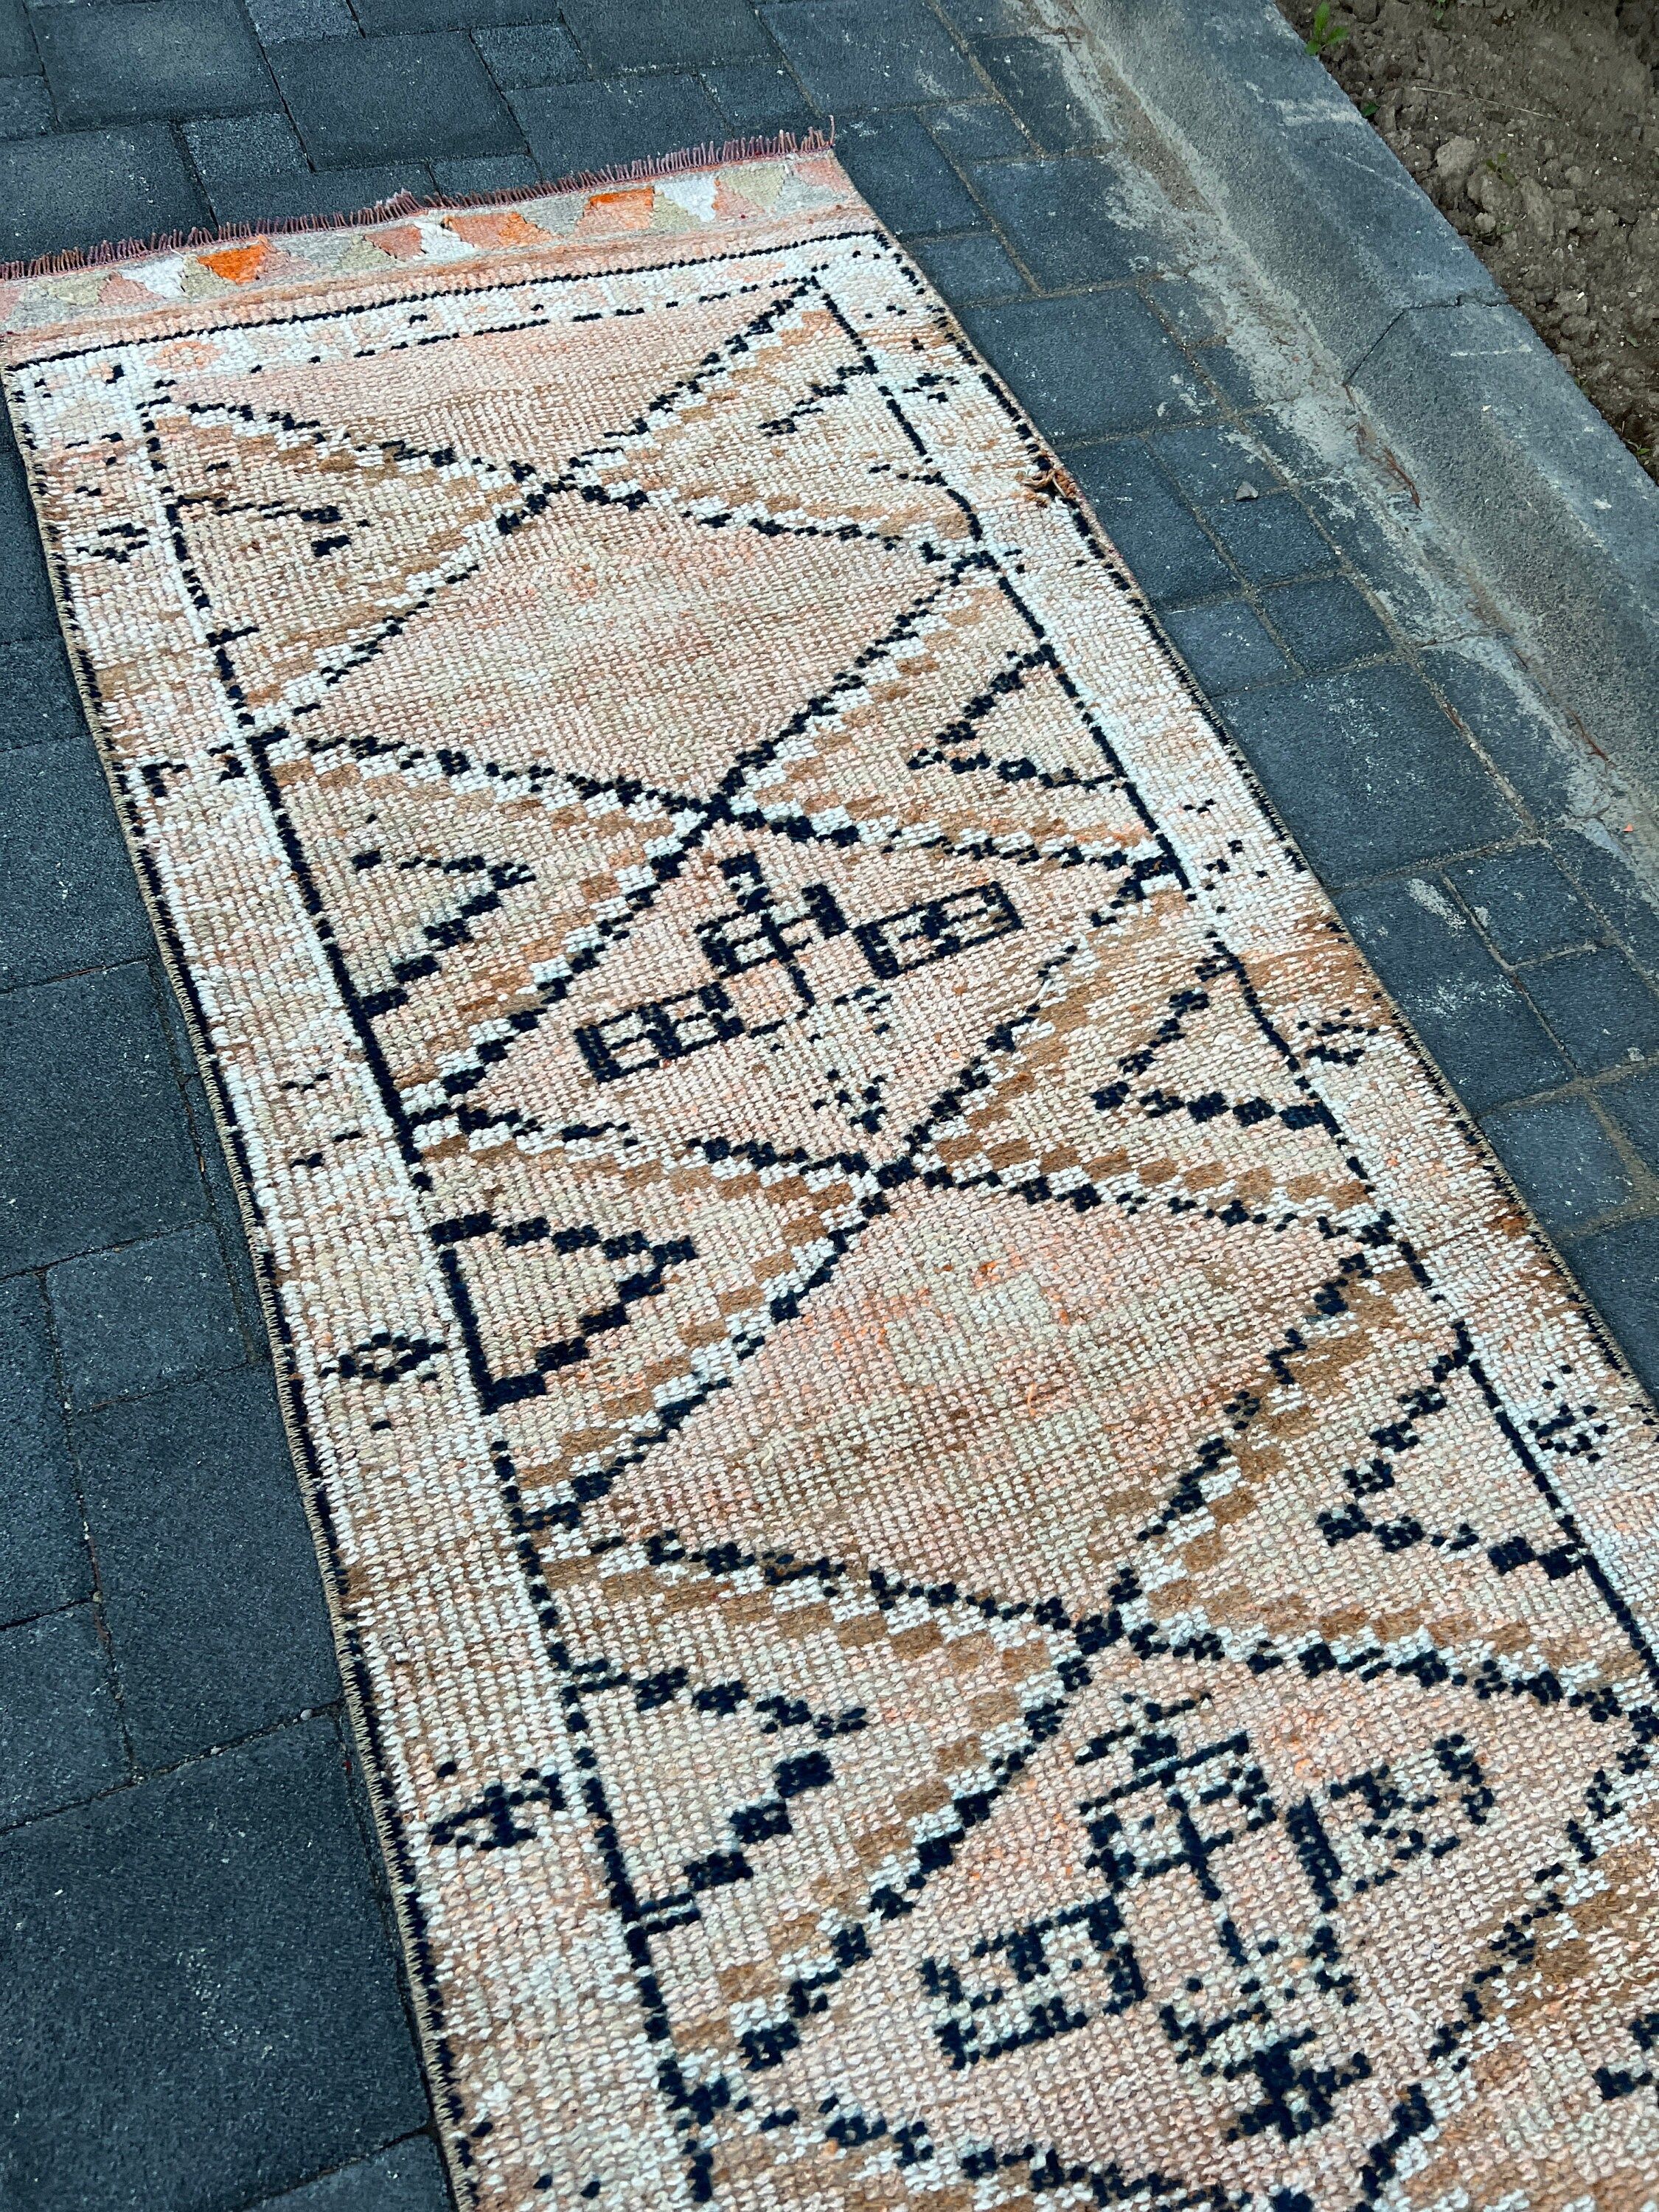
[1534, 126]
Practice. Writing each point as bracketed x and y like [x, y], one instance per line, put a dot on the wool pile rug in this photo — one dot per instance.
[981, 1561]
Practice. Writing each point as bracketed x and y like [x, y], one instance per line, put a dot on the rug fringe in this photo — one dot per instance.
[709, 157]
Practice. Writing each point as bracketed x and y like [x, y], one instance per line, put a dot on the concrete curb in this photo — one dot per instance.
[1559, 521]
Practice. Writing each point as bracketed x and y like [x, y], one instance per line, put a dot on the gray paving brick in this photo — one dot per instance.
[1087, 366]
[25, 607]
[72, 898]
[988, 19]
[360, 101]
[326, 192]
[237, 154]
[1480, 1030]
[1525, 904]
[1368, 773]
[1067, 221]
[383, 17]
[233, 1240]
[1635, 1107]
[201, 2005]
[408, 2178]
[530, 53]
[1599, 1006]
[1030, 74]
[1488, 693]
[1192, 311]
[25, 107]
[17, 54]
[43, 1560]
[275, 19]
[849, 56]
[1225, 645]
[675, 34]
[344, 192]
[1618, 887]
[76, 189]
[60, 1739]
[1171, 557]
[759, 101]
[1620, 1271]
[211, 1585]
[146, 1315]
[970, 268]
[94, 1148]
[1247, 384]
[1299, 462]
[576, 127]
[38, 703]
[1566, 1166]
[977, 131]
[126, 64]
[1272, 539]
[1327, 625]
[903, 175]
[490, 173]
[253, 169]
[1393, 568]
[1209, 461]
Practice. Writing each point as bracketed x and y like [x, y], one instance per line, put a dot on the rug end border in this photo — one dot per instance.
[709, 155]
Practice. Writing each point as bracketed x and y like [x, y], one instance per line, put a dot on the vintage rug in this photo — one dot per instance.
[981, 1562]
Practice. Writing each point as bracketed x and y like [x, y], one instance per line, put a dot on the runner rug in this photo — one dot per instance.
[982, 1564]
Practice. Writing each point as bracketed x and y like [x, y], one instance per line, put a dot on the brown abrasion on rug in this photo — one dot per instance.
[981, 1563]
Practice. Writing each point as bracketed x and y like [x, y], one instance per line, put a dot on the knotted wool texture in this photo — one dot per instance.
[981, 1563]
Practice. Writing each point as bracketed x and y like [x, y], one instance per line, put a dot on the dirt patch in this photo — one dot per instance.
[1534, 126]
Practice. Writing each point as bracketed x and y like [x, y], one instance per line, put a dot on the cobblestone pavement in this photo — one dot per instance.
[205, 2008]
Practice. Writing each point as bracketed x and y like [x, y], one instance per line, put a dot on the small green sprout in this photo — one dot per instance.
[1325, 34]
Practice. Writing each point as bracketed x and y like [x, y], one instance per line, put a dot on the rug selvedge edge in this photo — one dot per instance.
[419, 1992]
